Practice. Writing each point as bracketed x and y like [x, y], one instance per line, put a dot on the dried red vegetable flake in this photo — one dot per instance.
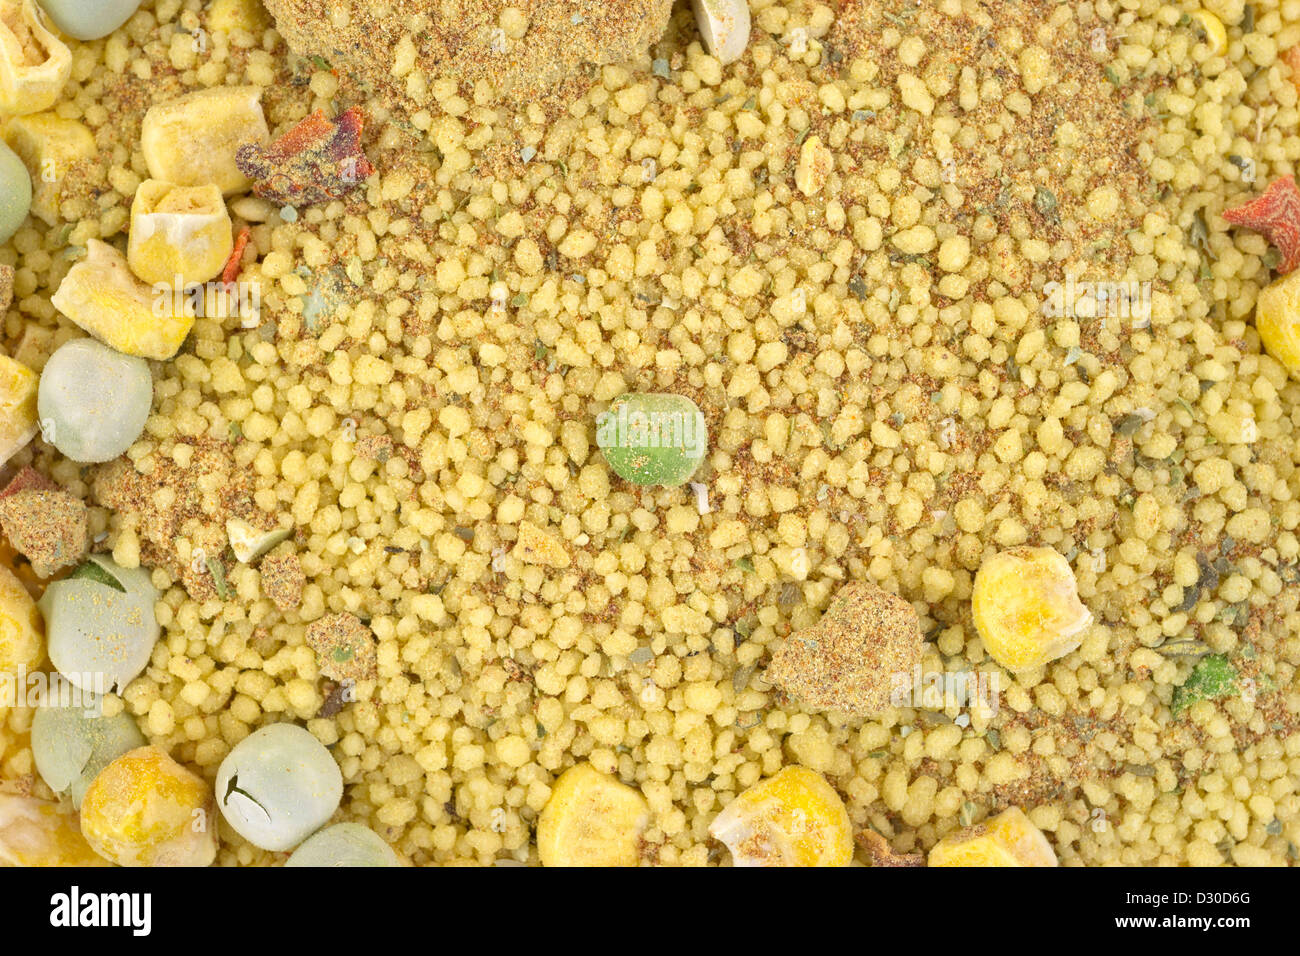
[1292, 59]
[1275, 214]
[318, 160]
[235, 263]
[27, 479]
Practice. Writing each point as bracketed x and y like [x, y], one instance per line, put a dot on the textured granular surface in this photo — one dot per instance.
[523, 48]
[850, 660]
[1010, 313]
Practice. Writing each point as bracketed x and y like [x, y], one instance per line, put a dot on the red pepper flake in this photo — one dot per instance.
[1276, 214]
[1292, 59]
[318, 160]
[27, 479]
[235, 263]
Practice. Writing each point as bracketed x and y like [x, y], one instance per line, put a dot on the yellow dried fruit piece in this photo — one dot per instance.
[18, 424]
[792, 819]
[1027, 609]
[815, 164]
[34, 62]
[102, 296]
[22, 630]
[42, 833]
[227, 15]
[1277, 319]
[192, 140]
[179, 234]
[1008, 839]
[1216, 34]
[591, 819]
[48, 145]
[145, 809]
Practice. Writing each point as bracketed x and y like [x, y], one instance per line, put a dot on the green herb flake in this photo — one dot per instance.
[1213, 678]
[1045, 203]
[93, 571]
[218, 571]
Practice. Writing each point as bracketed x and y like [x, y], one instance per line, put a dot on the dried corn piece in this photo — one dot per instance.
[815, 165]
[792, 819]
[192, 140]
[34, 63]
[226, 16]
[48, 145]
[1009, 839]
[22, 632]
[179, 234]
[102, 296]
[1216, 34]
[591, 819]
[18, 425]
[1027, 609]
[1277, 319]
[42, 833]
[145, 809]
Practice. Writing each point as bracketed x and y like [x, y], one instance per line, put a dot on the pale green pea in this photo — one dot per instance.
[15, 192]
[653, 439]
[89, 19]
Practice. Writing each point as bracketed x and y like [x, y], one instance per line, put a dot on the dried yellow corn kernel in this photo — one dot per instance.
[227, 15]
[1008, 839]
[179, 234]
[18, 425]
[1277, 319]
[191, 140]
[145, 809]
[34, 63]
[48, 145]
[591, 819]
[815, 164]
[1216, 34]
[22, 630]
[792, 819]
[101, 295]
[42, 833]
[1027, 609]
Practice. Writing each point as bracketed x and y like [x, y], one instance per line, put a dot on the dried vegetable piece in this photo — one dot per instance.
[1275, 214]
[848, 659]
[344, 646]
[49, 528]
[316, 161]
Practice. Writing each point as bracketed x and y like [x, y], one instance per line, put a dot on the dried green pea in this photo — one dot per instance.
[90, 19]
[653, 439]
[15, 192]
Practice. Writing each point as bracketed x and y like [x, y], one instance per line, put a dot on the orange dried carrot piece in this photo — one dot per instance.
[233, 265]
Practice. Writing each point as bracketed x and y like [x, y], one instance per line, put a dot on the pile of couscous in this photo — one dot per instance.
[949, 283]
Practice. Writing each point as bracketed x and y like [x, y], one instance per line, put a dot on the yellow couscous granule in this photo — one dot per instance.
[850, 249]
